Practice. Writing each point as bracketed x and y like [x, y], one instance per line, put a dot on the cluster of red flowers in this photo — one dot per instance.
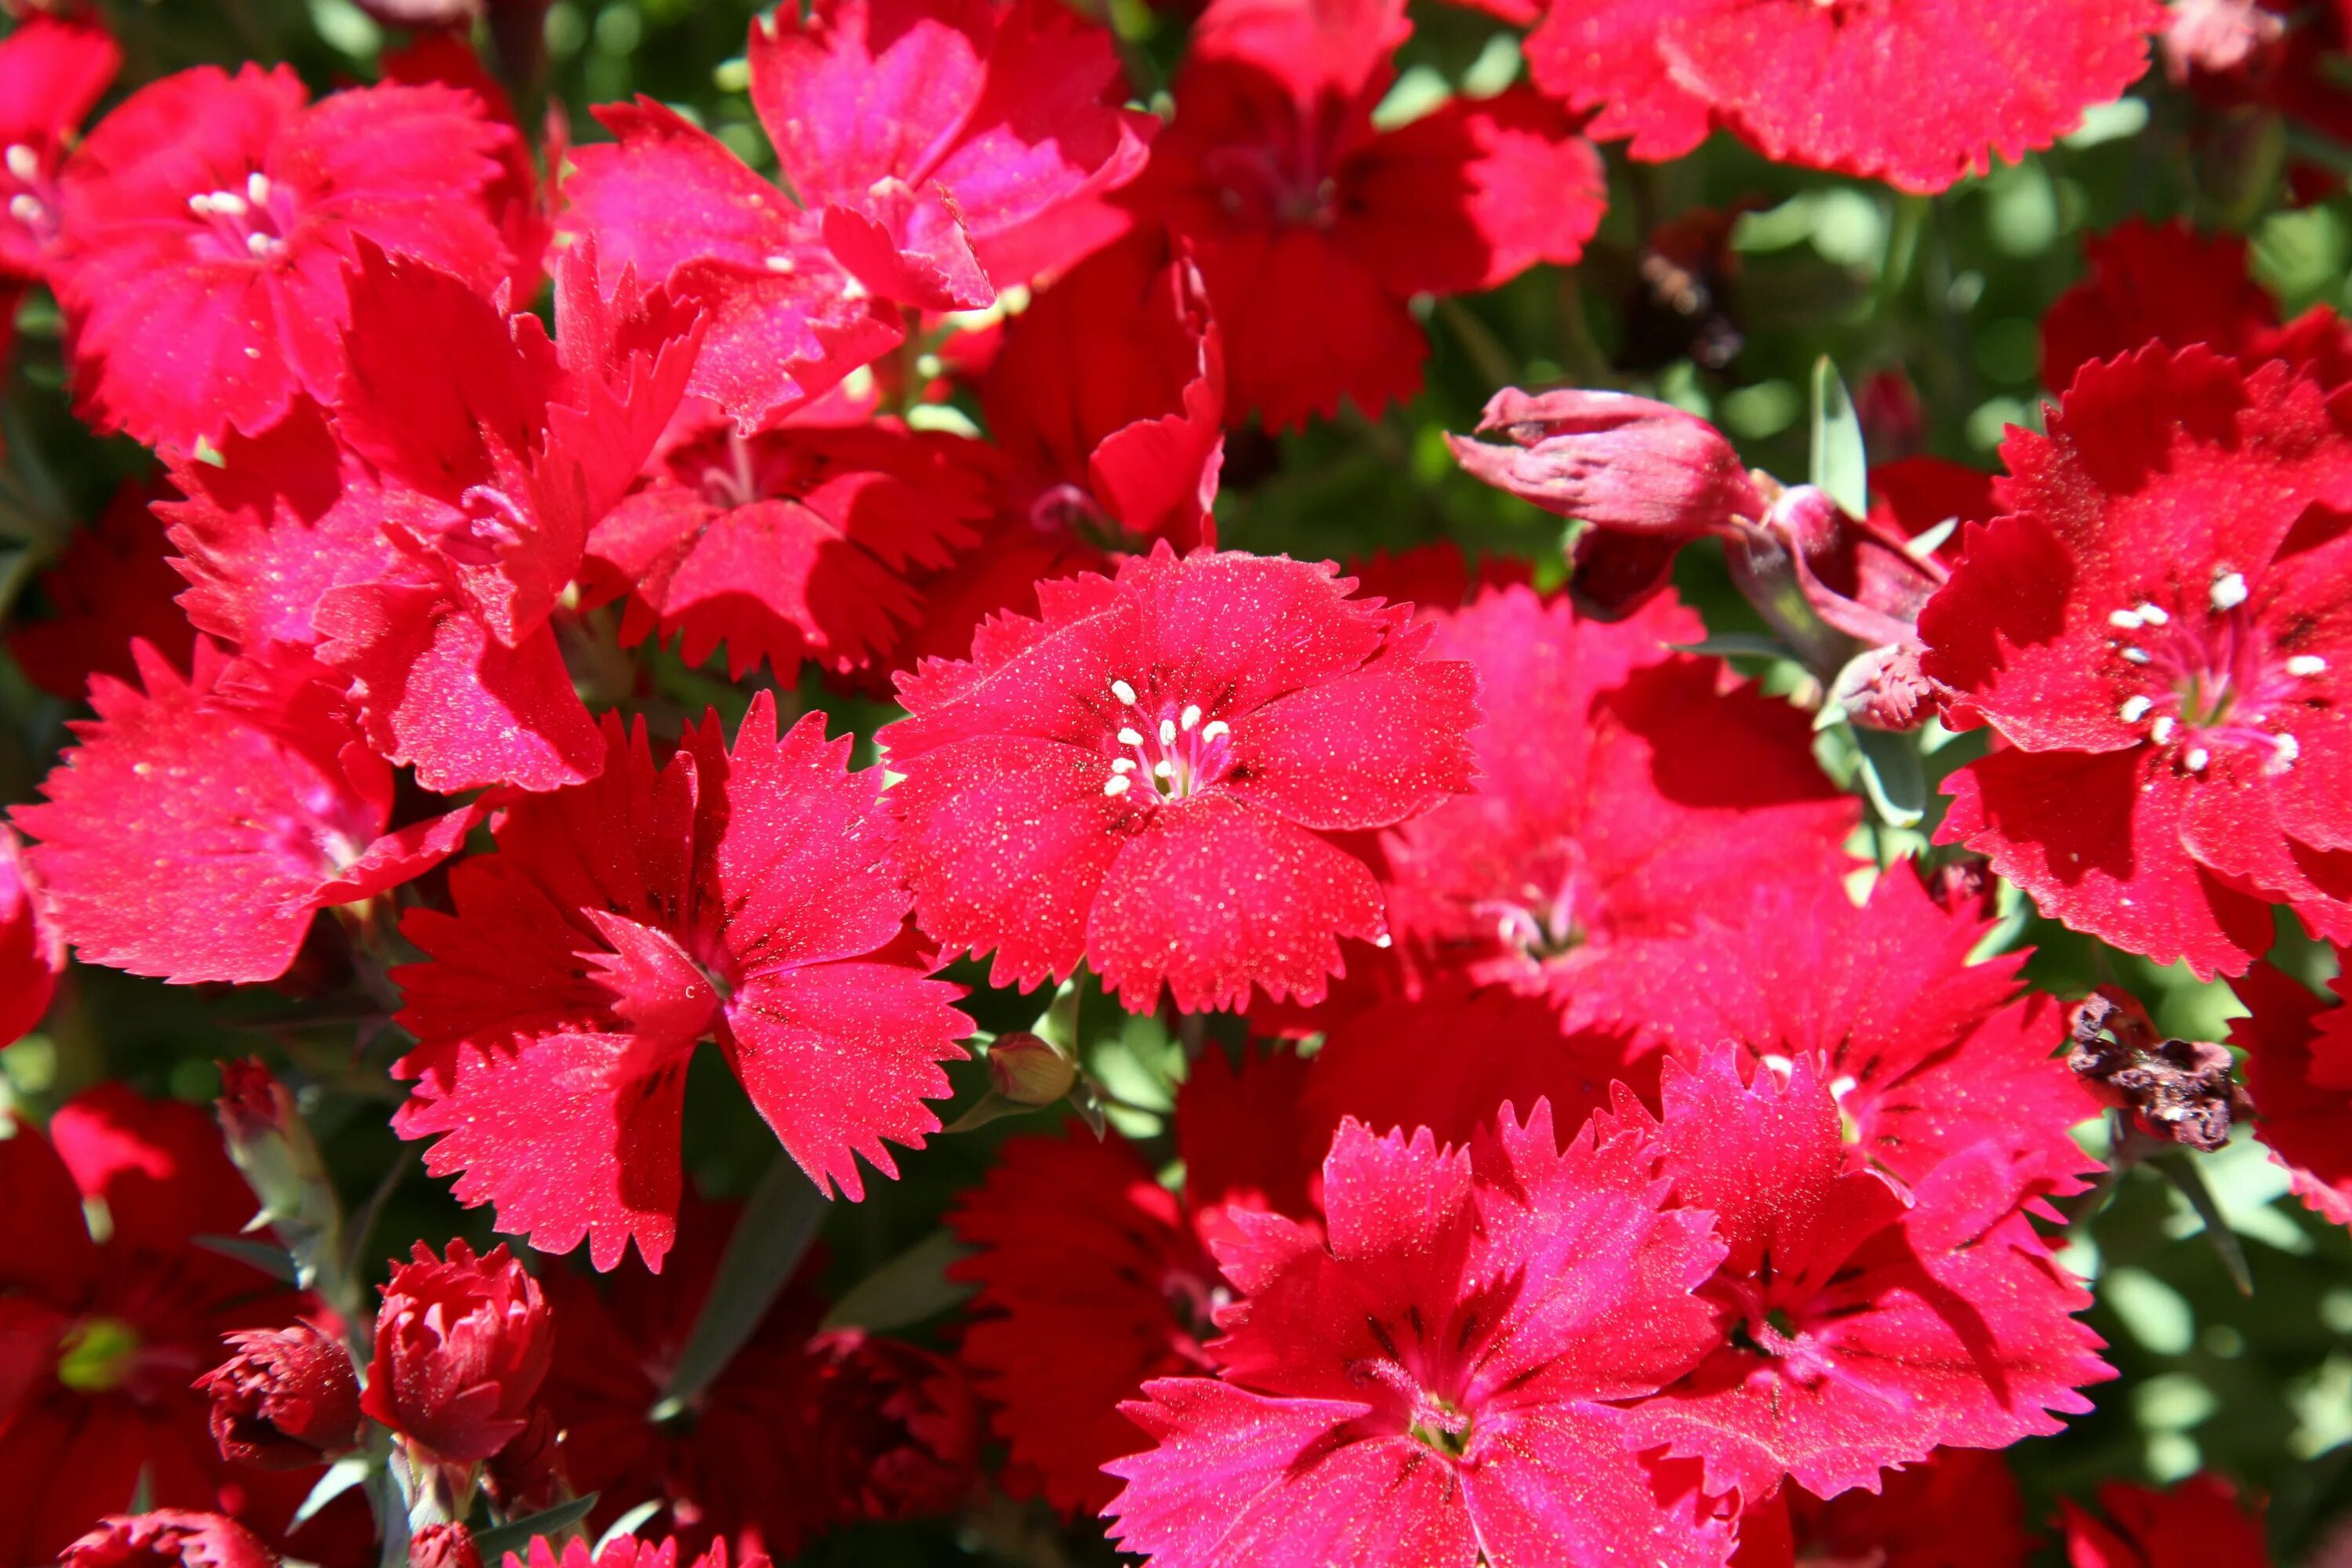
[1595, 1158]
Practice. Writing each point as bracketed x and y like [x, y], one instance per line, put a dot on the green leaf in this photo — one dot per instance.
[628, 1522]
[907, 1289]
[350, 1470]
[519, 1535]
[777, 1224]
[990, 1107]
[1891, 776]
[1840, 465]
[267, 1256]
[1737, 645]
[2181, 1170]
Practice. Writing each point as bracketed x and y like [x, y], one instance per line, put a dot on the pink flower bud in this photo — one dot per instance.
[461, 1347]
[288, 1398]
[444, 1546]
[1615, 460]
[1027, 1072]
[169, 1538]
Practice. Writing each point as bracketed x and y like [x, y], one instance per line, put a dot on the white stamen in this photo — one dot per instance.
[1382, 939]
[256, 188]
[853, 291]
[1163, 769]
[23, 161]
[2305, 664]
[1116, 786]
[1845, 1083]
[2135, 708]
[1168, 731]
[259, 244]
[1191, 717]
[2195, 759]
[2149, 616]
[200, 204]
[1217, 727]
[2285, 748]
[782, 266]
[228, 202]
[25, 209]
[1129, 738]
[2229, 590]
[2162, 731]
[1123, 692]
[2123, 620]
[2137, 655]
[1122, 765]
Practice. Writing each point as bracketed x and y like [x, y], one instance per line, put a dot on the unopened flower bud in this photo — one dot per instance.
[273, 1147]
[1027, 1072]
[461, 1348]
[288, 1399]
[169, 1538]
[1883, 688]
[1614, 460]
[444, 1546]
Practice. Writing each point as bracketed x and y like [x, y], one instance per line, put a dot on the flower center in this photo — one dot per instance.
[1275, 185]
[2202, 682]
[96, 1355]
[1539, 918]
[1168, 747]
[32, 194]
[243, 225]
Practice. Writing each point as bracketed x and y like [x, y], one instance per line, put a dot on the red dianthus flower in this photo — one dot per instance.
[1859, 1328]
[32, 948]
[169, 1538]
[1919, 93]
[1152, 776]
[2159, 628]
[1313, 229]
[207, 223]
[2299, 1072]
[112, 582]
[2202, 1521]
[744, 895]
[1441, 1383]
[52, 72]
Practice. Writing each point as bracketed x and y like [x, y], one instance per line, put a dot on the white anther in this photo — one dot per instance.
[2137, 655]
[24, 209]
[2195, 759]
[1845, 1083]
[1217, 727]
[256, 188]
[1116, 786]
[23, 161]
[2305, 664]
[1163, 769]
[1191, 718]
[1122, 765]
[2135, 708]
[853, 291]
[1123, 692]
[1382, 939]
[1129, 738]
[784, 266]
[201, 204]
[2149, 616]
[2123, 620]
[228, 202]
[1168, 731]
[259, 244]
[2162, 731]
[2229, 590]
[2285, 748]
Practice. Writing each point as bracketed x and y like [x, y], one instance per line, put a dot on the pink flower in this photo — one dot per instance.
[2298, 1069]
[1313, 229]
[2202, 1521]
[52, 72]
[744, 896]
[1624, 791]
[2158, 628]
[1116, 439]
[1151, 777]
[920, 131]
[1095, 1279]
[497, 452]
[461, 1346]
[1919, 93]
[1442, 1379]
[169, 1538]
[1859, 1328]
[32, 948]
[796, 543]
[208, 222]
[201, 823]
